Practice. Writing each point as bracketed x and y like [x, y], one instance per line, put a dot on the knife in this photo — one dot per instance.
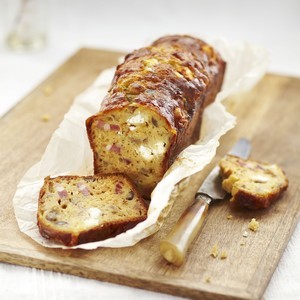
[174, 247]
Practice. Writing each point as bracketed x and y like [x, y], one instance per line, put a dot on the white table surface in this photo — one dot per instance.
[126, 25]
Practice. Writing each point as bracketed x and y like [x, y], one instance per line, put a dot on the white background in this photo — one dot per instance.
[126, 25]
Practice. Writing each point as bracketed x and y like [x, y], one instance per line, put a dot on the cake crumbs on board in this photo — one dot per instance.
[245, 234]
[214, 251]
[224, 255]
[47, 90]
[207, 279]
[45, 117]
[253, 225]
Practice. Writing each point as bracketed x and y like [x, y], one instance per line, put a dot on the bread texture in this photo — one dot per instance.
[153, 109]
[78, 209]
[252, 184]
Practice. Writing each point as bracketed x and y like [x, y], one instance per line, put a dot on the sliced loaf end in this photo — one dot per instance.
[135, 141]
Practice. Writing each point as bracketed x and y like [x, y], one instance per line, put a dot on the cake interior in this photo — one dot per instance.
[133, 141]
[79, 204]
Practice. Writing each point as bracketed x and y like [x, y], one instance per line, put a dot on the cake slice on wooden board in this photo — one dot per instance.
[80, 209]
[252, 184]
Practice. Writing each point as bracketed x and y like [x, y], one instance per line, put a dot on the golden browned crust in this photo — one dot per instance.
[92, 235]
[177, 77]
[72, 237]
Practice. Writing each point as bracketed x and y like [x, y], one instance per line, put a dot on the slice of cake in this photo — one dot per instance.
[75, 210]
[252, 184]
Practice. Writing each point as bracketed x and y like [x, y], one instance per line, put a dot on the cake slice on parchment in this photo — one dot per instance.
[80, 209]
[252, 184]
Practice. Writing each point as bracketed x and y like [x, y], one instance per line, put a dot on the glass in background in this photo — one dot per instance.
[25, 24]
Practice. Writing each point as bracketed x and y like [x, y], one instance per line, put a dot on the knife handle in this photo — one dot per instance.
[174, 247]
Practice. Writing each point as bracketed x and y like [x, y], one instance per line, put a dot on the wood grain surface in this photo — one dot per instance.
[267, 115]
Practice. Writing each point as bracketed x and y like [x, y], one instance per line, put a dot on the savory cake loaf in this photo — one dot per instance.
[75, 210]
[252, 184]
[153, 108]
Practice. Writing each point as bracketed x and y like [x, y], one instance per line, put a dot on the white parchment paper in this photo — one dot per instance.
[68, 151]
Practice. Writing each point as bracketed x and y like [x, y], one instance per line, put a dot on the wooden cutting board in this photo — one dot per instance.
[267, 115]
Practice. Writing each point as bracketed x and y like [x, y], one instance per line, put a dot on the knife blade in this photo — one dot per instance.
[174, 247]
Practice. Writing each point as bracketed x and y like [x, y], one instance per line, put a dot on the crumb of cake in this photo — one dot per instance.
[214, 251]
[224, 255]
[242, 243]
[229, 217]
[45, 117]
[245, 234]
[208, 279]
[47, 90]
[253, 225]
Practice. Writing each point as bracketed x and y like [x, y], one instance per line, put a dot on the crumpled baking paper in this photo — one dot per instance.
[68, 151]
